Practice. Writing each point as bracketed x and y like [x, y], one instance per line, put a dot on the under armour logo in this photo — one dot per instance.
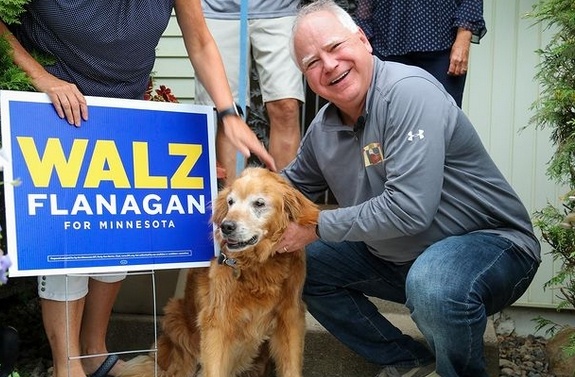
[411, 135]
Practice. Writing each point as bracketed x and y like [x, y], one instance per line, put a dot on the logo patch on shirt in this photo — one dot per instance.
[372, 154]
[411, 135]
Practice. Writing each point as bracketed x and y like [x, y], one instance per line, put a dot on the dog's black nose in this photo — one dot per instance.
[228, 227]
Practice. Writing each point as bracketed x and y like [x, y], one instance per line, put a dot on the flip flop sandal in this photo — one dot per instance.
[105, 367]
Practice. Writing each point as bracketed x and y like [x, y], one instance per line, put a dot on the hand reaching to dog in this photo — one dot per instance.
[296, 237]
[246, 141]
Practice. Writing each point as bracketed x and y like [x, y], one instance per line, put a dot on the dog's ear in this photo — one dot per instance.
[299, 208]
[220, 206]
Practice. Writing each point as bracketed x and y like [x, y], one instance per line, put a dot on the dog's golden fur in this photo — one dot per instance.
[229, 310]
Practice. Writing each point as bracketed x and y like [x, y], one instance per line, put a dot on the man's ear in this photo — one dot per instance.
[363, 38]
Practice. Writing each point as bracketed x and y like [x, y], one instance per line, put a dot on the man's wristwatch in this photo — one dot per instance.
[234, 110]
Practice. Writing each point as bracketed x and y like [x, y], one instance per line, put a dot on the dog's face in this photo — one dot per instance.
[256, 208]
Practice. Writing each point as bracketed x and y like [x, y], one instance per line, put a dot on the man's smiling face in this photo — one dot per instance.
[336, 61]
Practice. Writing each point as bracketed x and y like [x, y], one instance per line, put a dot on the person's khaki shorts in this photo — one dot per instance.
[269, 42]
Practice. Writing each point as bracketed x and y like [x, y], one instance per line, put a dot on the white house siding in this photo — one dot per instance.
[173, 68]
[499, 93]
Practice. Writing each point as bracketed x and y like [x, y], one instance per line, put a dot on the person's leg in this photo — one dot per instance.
[98, 308]
[284, 134]
[63, 330]
[281, 84]
[78, 332]
[437, 63]
[452, 288]
[58, 293]
[63, 333]
[340, 276]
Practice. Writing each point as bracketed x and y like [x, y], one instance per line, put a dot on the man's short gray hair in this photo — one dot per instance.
[319, 6]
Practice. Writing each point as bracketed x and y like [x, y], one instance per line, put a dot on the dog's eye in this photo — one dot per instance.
[259, 203]
[230, 202]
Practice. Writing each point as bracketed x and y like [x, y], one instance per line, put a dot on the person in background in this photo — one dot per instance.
[281, 83]
[432, 34]
[103, 48]
[425, 218]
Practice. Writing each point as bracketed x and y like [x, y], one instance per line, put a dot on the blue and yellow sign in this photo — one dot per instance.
[128, 190]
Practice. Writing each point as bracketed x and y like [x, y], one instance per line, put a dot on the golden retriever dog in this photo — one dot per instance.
[248, 300]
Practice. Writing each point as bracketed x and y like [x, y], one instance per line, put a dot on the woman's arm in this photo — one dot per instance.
[468, 20]
[209, 69]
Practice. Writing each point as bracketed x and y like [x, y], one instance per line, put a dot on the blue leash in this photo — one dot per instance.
[243, 79]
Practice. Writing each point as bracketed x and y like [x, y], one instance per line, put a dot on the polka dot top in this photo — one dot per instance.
[105, 47]
[396, 27]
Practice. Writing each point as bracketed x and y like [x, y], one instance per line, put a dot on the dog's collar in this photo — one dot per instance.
[230, 262]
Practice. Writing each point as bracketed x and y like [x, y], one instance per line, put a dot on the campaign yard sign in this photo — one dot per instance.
[129, 190]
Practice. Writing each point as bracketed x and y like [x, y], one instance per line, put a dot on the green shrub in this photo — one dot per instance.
[555, 111]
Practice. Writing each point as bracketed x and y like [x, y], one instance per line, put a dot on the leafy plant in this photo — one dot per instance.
[570, 348]
[556, 226]
[11, 76]
[555, 110]
[10, 10]
[160, 94]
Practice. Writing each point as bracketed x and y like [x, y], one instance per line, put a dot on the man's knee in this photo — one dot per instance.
[432, 286]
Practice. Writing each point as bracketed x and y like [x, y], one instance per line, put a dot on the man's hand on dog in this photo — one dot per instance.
[296, 237]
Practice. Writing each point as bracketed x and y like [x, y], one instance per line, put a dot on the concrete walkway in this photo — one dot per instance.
[325, 356]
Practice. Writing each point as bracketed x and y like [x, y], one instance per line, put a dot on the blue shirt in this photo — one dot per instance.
[397, 27]
[106, 48]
